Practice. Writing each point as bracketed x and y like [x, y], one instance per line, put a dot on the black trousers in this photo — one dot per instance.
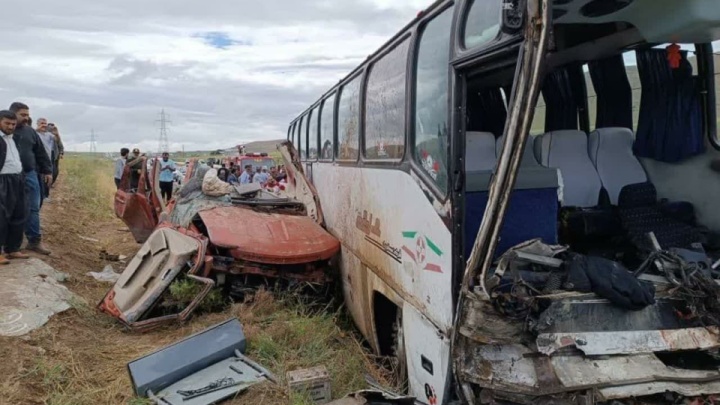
[166, 189]
[13, 211]
[56, 170]
[117, 184]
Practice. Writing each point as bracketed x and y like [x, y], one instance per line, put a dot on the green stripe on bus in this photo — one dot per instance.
[409, 234]
[433, 247]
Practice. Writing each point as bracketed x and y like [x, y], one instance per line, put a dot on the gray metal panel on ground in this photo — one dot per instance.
[249, 376]
[170, 364]
[30, 293]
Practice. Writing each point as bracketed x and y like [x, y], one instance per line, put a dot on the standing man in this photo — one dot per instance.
[48, 140]
[233, 178]
[167, 170]
[58, 153]
[12, 192]
[36, 167]
[136, 162]
[120, 166]
[261, 176]
[246, 177]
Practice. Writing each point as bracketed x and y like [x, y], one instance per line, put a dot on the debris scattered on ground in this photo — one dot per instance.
[30, 293]
[104, 255]
[372, 397]
[204, 368]
[88, 239]
[312, 382]
[107, 275]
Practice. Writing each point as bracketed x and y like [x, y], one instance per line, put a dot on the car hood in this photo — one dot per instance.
[271, 238]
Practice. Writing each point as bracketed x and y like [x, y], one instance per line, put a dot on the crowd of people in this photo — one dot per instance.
[268, 178]
[29, 162]
[135, 162]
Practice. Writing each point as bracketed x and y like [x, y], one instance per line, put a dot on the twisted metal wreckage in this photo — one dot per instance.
[222, 241]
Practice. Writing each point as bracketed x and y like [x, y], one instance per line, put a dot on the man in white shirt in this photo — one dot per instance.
[261, 176]
[120, 166]
[48, 140]
[12, 192]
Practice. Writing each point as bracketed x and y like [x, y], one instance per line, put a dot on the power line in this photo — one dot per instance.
[163, 143]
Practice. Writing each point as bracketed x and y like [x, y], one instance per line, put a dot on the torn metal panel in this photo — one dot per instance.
[167, 254]
[485, 326]
[298, 187]
[630, 342]
[597, 315]
[519, 370]
[268, 237]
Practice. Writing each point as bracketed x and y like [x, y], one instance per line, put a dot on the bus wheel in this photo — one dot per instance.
[399, 358]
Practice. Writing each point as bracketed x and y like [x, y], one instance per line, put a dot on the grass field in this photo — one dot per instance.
[79, 357]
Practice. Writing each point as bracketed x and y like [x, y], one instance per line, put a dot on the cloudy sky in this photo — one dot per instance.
[226, 72]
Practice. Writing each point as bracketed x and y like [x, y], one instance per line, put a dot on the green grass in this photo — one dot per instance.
[90, 179]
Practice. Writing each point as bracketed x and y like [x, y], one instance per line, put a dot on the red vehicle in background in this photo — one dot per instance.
[254, 159]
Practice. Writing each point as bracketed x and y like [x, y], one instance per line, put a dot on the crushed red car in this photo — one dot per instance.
[203, 242]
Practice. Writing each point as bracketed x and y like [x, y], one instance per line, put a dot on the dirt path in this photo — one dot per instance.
[80, 356]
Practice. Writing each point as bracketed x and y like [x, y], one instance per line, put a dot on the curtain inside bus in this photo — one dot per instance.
[564, 93]
[670, 125]
[614, 94]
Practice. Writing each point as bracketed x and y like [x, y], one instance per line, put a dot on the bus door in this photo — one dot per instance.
[495, 93]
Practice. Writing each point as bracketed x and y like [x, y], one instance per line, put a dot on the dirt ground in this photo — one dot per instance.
[79, 356]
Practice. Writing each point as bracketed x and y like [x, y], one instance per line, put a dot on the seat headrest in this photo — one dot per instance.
[611, 152]
[479, 151]
[528, 158]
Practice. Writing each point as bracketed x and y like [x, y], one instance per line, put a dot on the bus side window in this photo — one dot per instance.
[431, 99]
[327, 126]
[298, 145]
[304, 137]
[482, 22]
[348, 116]
[385, 105]
[312, 135]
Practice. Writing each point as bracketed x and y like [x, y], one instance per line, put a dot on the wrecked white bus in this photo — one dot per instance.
[526, 199]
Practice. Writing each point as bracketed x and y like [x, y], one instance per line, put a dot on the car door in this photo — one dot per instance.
[137, 207]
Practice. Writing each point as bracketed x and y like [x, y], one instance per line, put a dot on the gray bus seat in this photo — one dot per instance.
[480, 160]
[611, 152]
[567, 150]
[532, 211]
[531, 175]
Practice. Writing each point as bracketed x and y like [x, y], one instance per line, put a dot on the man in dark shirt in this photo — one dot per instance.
[36, 168]
[12, 192]
[135, 162]
[222, 173]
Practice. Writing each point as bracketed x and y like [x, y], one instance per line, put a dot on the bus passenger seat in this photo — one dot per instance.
[611, 152]
[567, 150]
[480, 159]
[479, 151]
[532, 211]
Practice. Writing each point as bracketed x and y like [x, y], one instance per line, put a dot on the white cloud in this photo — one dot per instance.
[112, 65]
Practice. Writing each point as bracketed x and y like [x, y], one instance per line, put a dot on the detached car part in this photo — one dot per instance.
[202, 369]
[167, 254]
